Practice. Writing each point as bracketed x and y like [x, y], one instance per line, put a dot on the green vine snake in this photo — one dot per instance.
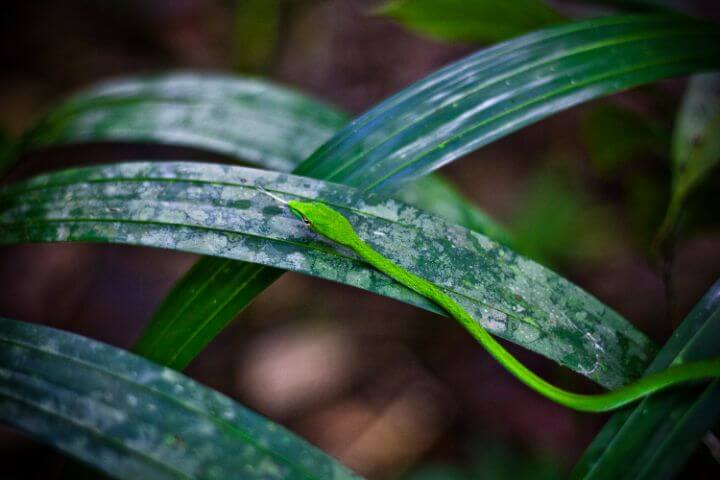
[332, 225]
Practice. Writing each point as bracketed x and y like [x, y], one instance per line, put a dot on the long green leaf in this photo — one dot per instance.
[471, 21]
[696, 142]
[217, 210]
[501, 89]
[466, 105]
[133, 419]
[653, 440]
[247, 120]
[482, 97]
[277, 128]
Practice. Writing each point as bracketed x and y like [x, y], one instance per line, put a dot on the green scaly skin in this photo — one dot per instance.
[335, 227]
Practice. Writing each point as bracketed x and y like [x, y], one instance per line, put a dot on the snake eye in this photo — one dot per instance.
[305, 220]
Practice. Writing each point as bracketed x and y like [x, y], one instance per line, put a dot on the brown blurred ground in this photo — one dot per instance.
[382, 386]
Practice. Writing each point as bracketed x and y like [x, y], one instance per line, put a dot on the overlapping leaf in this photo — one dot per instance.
[277, 128]
[654, 439]
[218, 210]
[456, 110]
[134, 420]
[247, 120]
[464, 106]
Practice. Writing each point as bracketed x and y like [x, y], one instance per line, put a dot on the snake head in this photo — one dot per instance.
[324, 220]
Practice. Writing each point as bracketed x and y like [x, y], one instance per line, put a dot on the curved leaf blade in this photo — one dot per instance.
[481, 98]
[499, 90]
[217, 210]
[133, 419]
[209, 294]
[654, 439]
[241, 117]
[503, 88]
[248, 120]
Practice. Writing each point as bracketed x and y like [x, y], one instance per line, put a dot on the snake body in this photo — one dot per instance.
[332, 225]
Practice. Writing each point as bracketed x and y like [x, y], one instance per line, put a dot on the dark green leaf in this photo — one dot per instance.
[460, 108]
[246, 119]
[133, 419]
[196, 110]
[501, 89]
[654, 439]
[471, 21]
[218, 210]
[249, 120]
[474, 101]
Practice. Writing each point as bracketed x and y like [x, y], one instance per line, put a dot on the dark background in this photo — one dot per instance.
[384, 387]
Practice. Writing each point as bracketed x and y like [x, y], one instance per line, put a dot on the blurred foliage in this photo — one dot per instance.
[471, 21]
[6, 144]
[256, 34]
[630, 150]
[558, 221]
[646, 192]
[696, 143]
[615, 135]
[497, 460]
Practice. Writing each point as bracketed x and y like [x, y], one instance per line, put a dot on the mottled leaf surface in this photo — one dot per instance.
[462, 107]
[133, 419]
[247, 119]
[435, 195]
[217, 210]
[655, 438]
[471, 21]
[285, 128]
[474, 101]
